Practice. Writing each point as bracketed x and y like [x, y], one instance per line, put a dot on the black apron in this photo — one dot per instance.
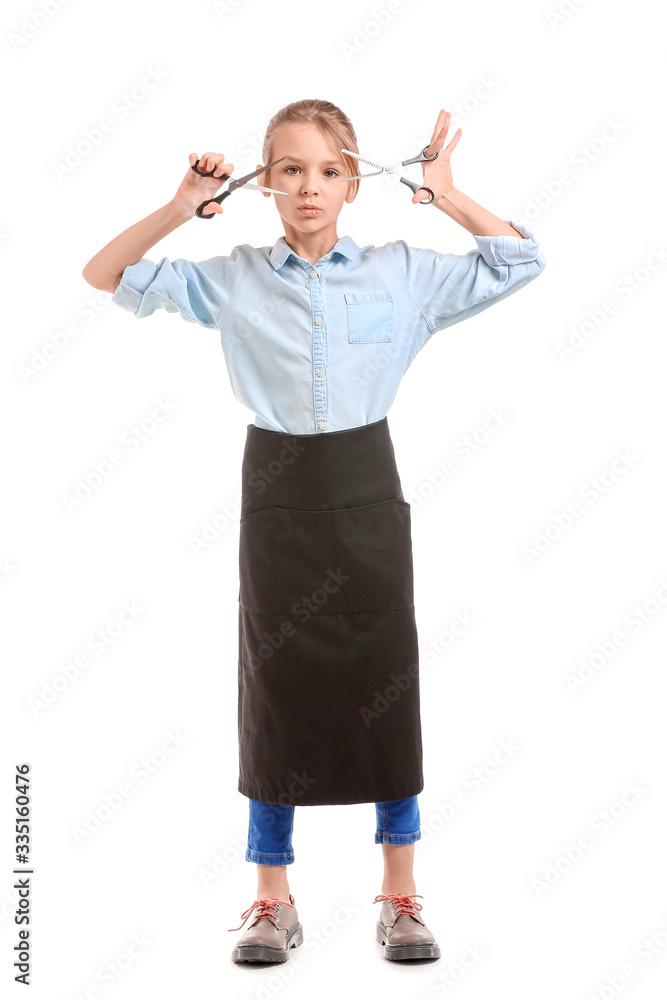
[328, 670]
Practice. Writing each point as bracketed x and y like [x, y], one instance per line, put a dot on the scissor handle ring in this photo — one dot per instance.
[419, 187]
[434, 157]
[208, 173]
[222, 179]
[198, 210]
[425, 201]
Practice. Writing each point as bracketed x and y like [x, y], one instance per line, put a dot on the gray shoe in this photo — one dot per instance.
[275, 929]
[401, 930]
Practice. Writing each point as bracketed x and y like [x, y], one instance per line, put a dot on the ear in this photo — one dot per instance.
[264, 183]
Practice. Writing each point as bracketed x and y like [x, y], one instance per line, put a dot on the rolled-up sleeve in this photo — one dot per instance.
[199, 290]
[448, 288]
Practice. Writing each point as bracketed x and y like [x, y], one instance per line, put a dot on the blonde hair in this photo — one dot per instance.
[334, 125]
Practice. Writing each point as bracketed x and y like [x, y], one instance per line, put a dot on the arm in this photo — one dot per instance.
[105, 269]
[451, 201]
[477, 220]
[448, 288]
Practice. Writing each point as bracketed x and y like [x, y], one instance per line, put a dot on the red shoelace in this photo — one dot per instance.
[266, 907]
[402, 902]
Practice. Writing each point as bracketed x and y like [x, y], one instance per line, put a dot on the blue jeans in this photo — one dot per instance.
[270, 829]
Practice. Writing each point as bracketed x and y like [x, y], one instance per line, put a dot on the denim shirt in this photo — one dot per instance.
[311, 348]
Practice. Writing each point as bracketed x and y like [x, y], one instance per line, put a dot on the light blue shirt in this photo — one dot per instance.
[322, 347]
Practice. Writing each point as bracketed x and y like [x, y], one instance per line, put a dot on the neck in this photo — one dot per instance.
[311, 246]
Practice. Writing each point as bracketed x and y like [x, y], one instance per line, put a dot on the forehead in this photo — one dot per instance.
[305, 143]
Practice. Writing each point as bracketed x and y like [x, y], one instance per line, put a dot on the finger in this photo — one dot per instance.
[445, 128]
[223, 168]
[209, 160]
[439, 140]
[436, 130]
[437, 143]
[452, 145]
[441, 126]
[434, 145]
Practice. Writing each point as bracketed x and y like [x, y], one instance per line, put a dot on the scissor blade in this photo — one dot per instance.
[249, 177]
[362, 160]
[258, 187]
[357, 176]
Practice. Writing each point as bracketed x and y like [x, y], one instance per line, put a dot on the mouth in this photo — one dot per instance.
[308, 210]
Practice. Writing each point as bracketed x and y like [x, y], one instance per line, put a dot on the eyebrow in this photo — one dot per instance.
[298, 160]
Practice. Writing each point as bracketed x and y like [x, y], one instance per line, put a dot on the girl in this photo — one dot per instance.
[317, 334]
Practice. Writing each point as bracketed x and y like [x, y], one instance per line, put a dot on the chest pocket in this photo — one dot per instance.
[370, 317]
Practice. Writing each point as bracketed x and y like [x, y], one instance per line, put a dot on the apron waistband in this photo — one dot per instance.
[347, 468]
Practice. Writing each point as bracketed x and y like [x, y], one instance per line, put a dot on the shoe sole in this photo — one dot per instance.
[397, 952]
[267, 952]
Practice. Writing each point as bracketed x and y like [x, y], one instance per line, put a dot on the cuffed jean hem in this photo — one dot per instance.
[269, 859]
[270, 826]
[397, 838]
[391, 816]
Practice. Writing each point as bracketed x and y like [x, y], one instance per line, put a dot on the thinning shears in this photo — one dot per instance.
[241, 182]
[394, 168]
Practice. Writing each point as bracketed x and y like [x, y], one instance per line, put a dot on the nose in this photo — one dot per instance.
[309, 185]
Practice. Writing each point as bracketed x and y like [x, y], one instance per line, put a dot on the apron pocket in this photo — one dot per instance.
[350, 560]
[254, 514]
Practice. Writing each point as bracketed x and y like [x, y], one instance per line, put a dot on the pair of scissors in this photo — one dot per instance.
[241, 182]
[394, 168]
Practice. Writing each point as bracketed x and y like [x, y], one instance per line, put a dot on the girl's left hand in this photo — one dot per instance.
[438, 173]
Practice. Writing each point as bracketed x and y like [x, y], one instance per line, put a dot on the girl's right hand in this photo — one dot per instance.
[194, 189]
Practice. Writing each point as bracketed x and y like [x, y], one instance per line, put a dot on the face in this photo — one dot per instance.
[310, 174]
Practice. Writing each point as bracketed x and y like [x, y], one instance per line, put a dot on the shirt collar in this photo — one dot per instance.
[281, 251]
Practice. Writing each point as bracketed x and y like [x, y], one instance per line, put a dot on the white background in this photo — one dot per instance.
[534, 93]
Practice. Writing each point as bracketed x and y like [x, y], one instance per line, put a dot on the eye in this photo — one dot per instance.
[327, 171]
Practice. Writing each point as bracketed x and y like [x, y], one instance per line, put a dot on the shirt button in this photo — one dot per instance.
[320, 372]
[313, 274]
[319, 320]
[323, 425]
